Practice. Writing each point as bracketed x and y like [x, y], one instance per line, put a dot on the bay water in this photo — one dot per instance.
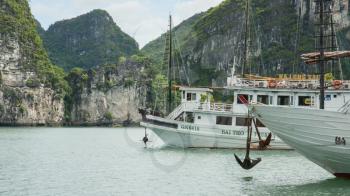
[114, 161]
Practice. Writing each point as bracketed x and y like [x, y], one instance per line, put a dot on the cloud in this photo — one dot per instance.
[138, 20]
[144, 20]
[187, 8]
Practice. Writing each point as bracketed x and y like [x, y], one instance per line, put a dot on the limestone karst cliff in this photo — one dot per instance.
[31, 88]
[108, 94]
[33, 91]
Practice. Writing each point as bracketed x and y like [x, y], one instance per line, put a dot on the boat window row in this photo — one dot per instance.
[282, 100]
[240, 121]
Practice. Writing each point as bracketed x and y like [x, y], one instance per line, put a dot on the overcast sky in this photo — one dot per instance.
[144, 20]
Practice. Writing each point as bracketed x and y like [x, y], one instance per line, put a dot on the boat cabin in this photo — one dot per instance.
[195, 95]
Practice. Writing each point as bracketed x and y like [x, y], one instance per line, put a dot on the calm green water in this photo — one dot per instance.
[101, 161]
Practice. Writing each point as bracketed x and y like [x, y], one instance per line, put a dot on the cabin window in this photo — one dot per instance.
[304, 100]
[194, 97]
[241, 98]
[334, 96]
[223, 120]
[199, 117]
[264, 99]
[283, 100]
[259, 123]
[243, 122]
[271, 100]
[191, 96]
[189, 117]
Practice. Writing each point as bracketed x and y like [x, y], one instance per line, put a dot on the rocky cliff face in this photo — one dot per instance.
[118, 105]
[109, 94]
[25, 99]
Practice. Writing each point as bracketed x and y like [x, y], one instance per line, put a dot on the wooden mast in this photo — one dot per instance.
[170, 62]
[322, 66]
[246, 38]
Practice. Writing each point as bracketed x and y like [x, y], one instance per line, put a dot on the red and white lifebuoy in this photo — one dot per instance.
[337, 84]
[272, 83]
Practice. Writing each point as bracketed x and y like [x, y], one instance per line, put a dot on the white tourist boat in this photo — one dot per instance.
[198, 122]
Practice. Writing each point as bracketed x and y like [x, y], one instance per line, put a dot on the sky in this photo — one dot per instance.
[144, 20]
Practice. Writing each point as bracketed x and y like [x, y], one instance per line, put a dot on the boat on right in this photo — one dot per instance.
[321, 136]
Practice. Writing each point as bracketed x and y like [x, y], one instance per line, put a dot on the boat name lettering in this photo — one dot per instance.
[190, 127]
[231, 132]
[263, 134]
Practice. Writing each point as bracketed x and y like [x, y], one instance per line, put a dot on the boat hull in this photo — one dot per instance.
[188, 135]
[313, 133]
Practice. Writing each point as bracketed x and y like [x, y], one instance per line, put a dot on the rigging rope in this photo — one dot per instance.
[257, 34]
[297, 38]
[177, 48]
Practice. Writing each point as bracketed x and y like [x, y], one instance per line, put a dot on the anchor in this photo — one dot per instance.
[145, 139]
[262, 143]
[248, 163]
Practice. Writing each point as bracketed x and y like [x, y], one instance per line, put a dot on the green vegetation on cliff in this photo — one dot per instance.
[77, 79]
[17, 22]
[39, 28]
[155, 49]
[87, 41]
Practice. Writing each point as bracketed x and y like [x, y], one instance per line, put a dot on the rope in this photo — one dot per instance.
[177, 46]
[297, 38]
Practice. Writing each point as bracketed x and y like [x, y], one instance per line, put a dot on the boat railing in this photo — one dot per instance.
[286, 84]
[345, 108]
[177, 111]
[218, 107]
[185, 106]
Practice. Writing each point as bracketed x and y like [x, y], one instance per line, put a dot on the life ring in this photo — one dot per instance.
[337, 84]
[272, 83]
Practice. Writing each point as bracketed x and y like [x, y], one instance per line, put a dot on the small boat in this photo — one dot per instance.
[197, 123]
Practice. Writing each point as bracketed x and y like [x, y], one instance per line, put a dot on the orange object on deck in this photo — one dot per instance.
[337, 84]
[272, 83]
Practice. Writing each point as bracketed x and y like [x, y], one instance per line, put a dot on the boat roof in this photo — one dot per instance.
[196, 89]
[296, 90]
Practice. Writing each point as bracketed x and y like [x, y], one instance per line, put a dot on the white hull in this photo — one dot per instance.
[208, 136]
[312, 132]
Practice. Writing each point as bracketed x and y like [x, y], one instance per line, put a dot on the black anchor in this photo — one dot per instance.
[248, 163]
